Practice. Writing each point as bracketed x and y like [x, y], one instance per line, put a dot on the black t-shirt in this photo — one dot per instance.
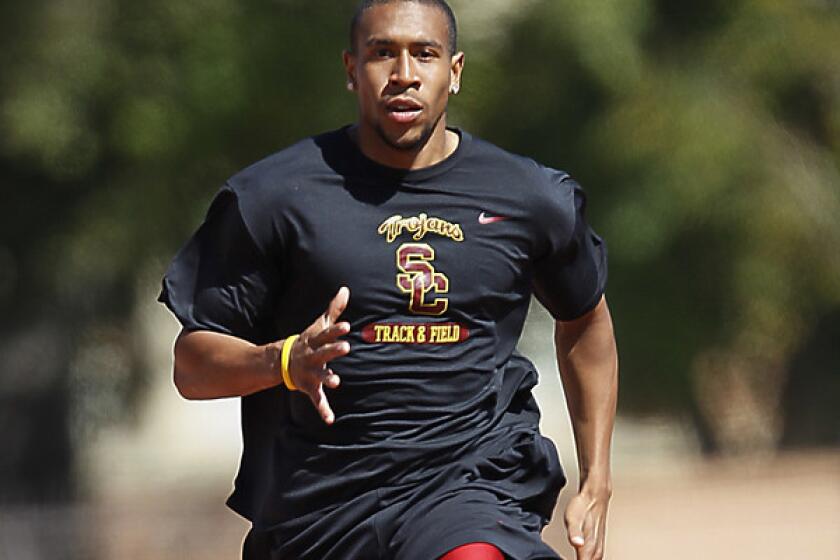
[441, 263]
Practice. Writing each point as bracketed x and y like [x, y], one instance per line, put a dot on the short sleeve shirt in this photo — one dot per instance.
[441, 263]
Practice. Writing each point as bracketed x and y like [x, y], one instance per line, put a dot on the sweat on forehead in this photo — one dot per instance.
[439, 4]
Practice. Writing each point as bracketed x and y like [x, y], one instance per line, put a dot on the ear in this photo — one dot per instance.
[349, 60]
[456, 70]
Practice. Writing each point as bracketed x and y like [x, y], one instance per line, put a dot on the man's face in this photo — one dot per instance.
[402, 72]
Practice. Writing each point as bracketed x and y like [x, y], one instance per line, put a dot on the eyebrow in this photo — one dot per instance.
[374, 41]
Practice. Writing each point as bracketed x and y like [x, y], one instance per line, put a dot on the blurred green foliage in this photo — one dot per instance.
[707, 134]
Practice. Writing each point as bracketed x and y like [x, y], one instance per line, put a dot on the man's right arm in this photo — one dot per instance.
[211, 365]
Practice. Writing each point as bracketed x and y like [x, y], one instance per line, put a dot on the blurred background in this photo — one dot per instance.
[707, 134]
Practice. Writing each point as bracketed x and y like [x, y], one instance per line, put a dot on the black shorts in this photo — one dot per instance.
[504, 494]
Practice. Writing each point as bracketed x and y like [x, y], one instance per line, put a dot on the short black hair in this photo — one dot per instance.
[365, 5]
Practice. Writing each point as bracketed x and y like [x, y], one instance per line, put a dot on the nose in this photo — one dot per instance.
[404, 74]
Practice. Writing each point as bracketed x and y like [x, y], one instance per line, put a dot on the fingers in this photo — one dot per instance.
[337, 305]
[585, 522]
[313, 383]
[310, 369]
[317, 346]
[331, 380]
[319, 358]
[575, 514]
[319, 399]
[587, 551]
[330, 317]
[329, 334]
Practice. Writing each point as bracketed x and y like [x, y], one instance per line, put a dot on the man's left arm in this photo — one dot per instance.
[588, 363]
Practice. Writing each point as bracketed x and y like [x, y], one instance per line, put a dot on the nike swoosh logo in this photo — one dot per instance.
[484, 219]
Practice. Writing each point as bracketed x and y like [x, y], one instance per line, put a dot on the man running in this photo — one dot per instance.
[363, 291]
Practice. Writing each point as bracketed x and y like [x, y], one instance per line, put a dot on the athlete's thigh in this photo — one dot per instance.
[442, 523]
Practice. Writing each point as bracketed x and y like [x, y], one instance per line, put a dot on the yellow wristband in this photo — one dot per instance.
[285, 354]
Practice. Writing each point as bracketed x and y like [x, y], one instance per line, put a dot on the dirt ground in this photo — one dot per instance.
[787, 508]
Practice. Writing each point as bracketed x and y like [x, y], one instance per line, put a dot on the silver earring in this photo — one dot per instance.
[454, 89]
[351, 86]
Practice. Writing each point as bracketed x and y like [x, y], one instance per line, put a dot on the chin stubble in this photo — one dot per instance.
[412, 146]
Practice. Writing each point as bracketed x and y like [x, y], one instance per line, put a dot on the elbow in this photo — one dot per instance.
[183, 384]
[181, 376]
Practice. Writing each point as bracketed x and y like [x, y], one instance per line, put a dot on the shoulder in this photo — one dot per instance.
[281, 172]
[549, 198]
[262, 193]
[521, 173]
[267, 190]
[493, 159]
[546, 191]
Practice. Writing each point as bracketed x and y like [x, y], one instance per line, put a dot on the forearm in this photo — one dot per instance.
[211, 365]
[588, 363]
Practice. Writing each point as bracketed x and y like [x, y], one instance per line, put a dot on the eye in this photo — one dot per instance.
[426, 55]
[382, 52]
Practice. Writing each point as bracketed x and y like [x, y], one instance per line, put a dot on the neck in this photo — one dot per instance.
[437, 147]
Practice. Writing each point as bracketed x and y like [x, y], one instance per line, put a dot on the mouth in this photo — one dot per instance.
[403, 110]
